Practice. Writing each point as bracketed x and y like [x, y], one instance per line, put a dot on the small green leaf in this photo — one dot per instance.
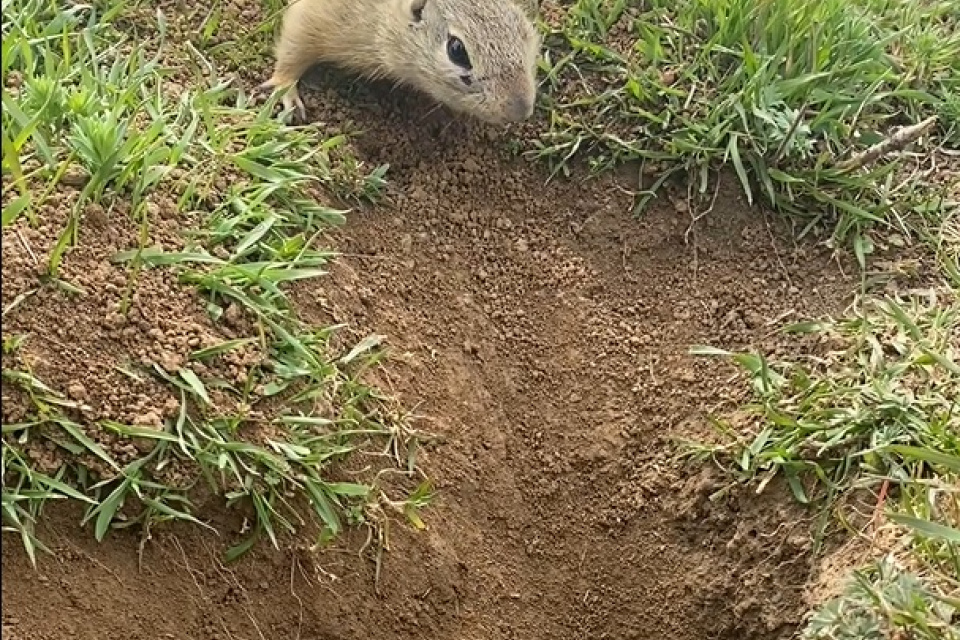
[221, 348]
[862, 247]
[60, 487]
[811, 326]
[77, 434]
[195, 384]
[928, 529]
[322, 506]
[927, 455]
[132, 431]
[733, 148]
[236, 551]
[108, 509]
[348, 489]
[174, 513]
[255, 235]
[797, 488]
[13, 210]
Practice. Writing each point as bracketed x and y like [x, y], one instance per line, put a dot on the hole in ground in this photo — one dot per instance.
[545, 332]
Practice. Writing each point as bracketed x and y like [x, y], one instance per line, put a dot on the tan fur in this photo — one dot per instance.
[382, 39]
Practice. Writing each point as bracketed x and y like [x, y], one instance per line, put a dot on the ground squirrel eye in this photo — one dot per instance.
[458, 53]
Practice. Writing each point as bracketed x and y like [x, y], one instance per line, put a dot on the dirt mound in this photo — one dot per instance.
[543, 332]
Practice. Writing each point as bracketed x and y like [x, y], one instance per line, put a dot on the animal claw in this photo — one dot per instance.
[291, 100]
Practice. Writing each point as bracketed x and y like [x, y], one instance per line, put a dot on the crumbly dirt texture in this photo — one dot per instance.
[541, 330]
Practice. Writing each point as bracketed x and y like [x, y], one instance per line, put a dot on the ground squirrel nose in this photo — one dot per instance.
[519, 107]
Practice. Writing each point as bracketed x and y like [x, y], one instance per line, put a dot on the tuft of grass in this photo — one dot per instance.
[787, 94]
[884, 601]
[84, 101]
[843, 418]
[879, 413]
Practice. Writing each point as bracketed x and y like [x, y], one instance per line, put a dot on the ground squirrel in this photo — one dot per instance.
[475, 56]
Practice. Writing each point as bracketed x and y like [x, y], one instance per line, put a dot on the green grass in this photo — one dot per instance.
[881, 602]
[784, 94]
[84, 98]
[833, 113]
[842, 417]
[879, 414]
[781, 92]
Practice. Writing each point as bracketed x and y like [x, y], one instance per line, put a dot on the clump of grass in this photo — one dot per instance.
[947, 248]
[227, 35]
[883, 601]
[783, 93]
[81, 98]
[879, 413]
[858, 416]
[843, 418]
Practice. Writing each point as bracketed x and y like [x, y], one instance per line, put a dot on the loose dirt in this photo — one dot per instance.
[537, 327]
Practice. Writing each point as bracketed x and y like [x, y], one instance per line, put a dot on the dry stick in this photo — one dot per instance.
[782, 149]
[895, 142]
[881, 500]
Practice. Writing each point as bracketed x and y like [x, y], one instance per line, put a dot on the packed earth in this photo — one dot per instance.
[535, 344]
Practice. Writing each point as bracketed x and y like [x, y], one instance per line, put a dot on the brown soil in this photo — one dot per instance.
[543, 332]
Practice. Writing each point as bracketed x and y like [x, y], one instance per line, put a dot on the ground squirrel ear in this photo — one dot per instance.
[417, 9]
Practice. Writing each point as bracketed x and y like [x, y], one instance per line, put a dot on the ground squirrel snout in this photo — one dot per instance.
[477, 57]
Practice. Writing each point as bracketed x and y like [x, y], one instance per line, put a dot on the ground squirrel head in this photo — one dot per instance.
[476, 56]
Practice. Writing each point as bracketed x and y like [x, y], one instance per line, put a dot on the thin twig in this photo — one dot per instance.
[895, 142]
